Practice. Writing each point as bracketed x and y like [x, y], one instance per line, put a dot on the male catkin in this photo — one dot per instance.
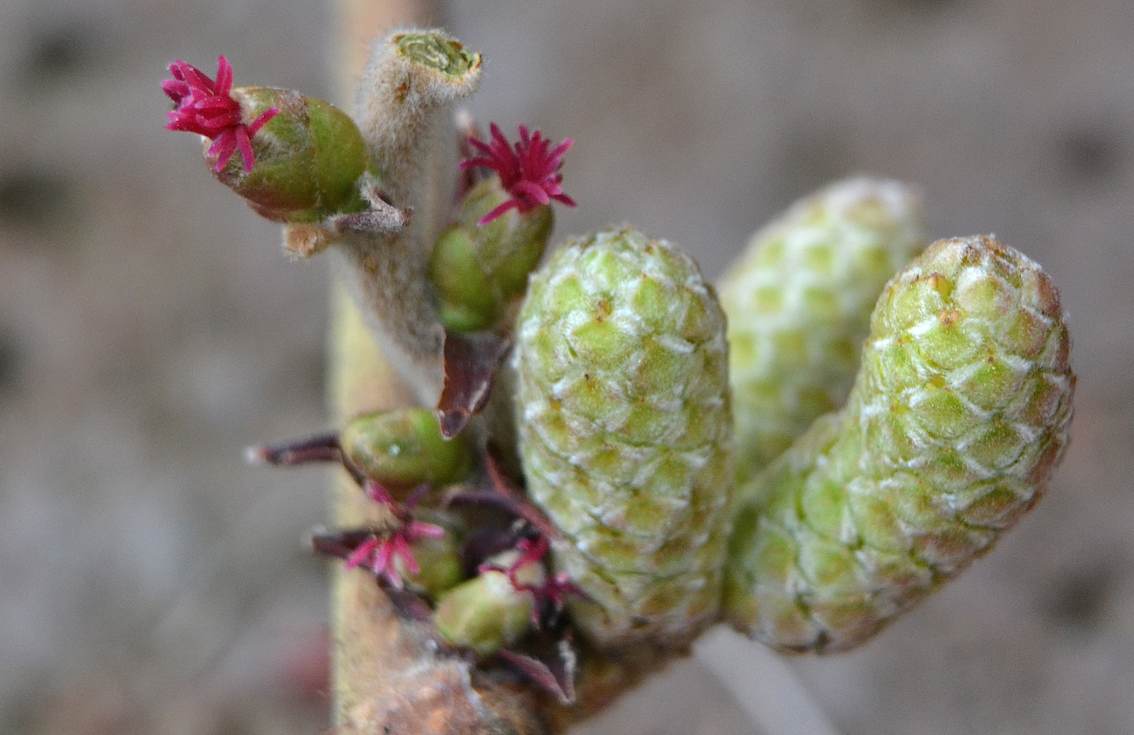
[798, 303]
[625, 431]
[957, 417]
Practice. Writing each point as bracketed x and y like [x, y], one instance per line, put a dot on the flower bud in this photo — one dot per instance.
[480, 265]
[439, 565]
[404, 448]
[309, 158]
[479, 270]
[300, 158]
[491, 610]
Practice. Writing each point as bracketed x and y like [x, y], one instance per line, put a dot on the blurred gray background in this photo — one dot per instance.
[149, 327]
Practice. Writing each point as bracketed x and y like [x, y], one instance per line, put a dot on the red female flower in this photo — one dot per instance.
[528, 170]
[551, 596]
[206, 107]
[381, 553]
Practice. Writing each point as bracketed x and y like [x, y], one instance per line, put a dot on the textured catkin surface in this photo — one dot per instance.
[626, 432]
[798, 303]
[956, 419]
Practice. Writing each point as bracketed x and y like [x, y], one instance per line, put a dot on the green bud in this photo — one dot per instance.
[488, 613]
[404, 448]
[798, 303]
[440, 563]
[309, 158]
[958, 415]
[625, 432]
[478, 271]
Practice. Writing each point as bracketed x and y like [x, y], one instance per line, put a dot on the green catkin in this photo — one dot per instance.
[625, 432]
[956, 419]
[798, 303]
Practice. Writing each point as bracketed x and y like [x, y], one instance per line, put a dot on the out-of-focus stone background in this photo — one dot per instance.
[149, 329]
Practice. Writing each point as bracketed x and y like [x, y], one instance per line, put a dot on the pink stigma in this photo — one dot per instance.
[381, 554]
[553, 592]
[206, 107]
[528, 169]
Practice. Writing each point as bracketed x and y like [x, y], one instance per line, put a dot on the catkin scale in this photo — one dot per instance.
[959, 413]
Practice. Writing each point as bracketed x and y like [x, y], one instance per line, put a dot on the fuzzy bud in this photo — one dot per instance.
[405, 113]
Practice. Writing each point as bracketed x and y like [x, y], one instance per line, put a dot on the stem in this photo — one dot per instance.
[404, 109]
[385, 670]
[387, 675]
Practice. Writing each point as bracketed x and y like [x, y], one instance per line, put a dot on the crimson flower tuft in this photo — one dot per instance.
[552, 593]
[206, 107]
[381, 553]
[528, 169]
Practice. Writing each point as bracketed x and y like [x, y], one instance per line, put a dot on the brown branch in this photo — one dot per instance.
[387, 675]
